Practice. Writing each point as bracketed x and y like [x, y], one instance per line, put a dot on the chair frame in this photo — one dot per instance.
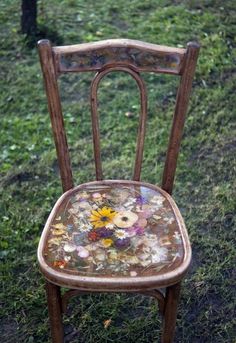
[158, 59]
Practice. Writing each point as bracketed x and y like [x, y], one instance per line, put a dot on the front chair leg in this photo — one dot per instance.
[55, 312]
[170, 313]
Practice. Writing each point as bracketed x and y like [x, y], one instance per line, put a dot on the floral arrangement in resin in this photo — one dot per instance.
[114, 230]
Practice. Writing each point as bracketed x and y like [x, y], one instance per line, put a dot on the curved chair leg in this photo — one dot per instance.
[55, 312]
[170, 313]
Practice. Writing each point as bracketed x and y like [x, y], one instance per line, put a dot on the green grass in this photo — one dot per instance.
[205, 181]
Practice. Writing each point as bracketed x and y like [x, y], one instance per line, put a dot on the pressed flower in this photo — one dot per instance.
[121, 234]
[107, 242]
[139, 230]
[82, 195]
[100, 255]
[96, 195]
[59, 226]
[177, 236]
[102, 217]
[61, 264]
[125, 219]
[122, 243]
[103, 232]
[142, 222]
[93, 236]
[85, 227]
[165, 240]
[141, 200]
[69, 247]
[159, 254]
[169, 220]
[58, 232]
[82, 252]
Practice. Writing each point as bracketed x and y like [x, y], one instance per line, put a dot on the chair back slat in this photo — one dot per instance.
[142, 120]
[125, 55]
[182, 100]
[138, 55]
[55, 110]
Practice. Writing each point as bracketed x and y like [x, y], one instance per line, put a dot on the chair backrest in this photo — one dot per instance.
[103, 57]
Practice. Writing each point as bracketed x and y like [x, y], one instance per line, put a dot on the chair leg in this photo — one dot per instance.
[55, 312]
[170, 313]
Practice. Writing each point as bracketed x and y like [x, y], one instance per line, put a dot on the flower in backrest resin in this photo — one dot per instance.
[125, 219]
[101, 217]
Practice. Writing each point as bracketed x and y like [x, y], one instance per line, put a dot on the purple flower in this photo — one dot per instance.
[139, 230]
[140, 200]
[103, 232]
[135, 230]
[122, 243]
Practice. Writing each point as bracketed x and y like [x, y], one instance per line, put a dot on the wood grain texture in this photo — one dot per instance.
[55, 110]
[170, 313]
[181, 106]
[140, 56]
[103, 57]
[142, 120]
[55, 312]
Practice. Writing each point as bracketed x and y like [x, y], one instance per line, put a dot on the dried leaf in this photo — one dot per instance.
[106, 323]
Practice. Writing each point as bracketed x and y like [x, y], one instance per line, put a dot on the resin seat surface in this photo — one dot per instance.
[114, 233]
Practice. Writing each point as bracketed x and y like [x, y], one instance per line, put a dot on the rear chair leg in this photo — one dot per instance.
[170, 313]
[55, 312]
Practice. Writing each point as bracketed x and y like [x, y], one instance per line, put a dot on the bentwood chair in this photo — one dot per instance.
[115, 235]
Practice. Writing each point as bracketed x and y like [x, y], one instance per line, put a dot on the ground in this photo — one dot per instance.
[205, 180]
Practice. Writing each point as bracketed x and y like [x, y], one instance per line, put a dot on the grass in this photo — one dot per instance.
[205, 181]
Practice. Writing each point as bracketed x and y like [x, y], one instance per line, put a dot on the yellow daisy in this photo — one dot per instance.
[102, 217]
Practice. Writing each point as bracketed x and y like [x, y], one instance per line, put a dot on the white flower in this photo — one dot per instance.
[121, 234]
[84, 227]
[169, 220]
[125, 219]
[69, 247]
[177, 236]
[159, 254]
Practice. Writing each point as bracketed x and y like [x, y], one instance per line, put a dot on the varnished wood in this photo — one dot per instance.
[103, 57]
[142, 120]
[55, 312]
[182, 100]
[54, 105]
[159, 296]
[170, 313]
[112, 284]
[140, 56]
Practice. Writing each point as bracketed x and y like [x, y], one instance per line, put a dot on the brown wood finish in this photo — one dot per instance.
[55, 312]
[104, 57]
[54, 106]
[170, 313]
[179, 116]
[142, 120]
[154, 58]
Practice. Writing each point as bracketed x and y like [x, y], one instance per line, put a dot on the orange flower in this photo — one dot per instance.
[60, 264]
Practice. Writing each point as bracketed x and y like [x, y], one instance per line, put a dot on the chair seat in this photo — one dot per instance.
[114, 235]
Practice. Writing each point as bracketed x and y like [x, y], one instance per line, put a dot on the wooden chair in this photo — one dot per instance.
[115, 235]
